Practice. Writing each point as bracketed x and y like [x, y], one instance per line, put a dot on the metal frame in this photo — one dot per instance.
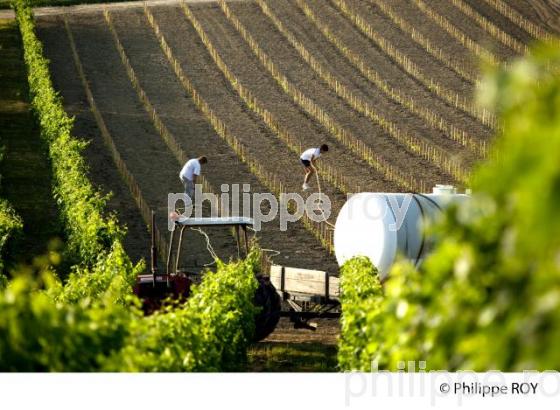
[304, 307]
[186, 223]
[301, 313]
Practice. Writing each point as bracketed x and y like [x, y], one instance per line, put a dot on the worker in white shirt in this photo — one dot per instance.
[188, 175]
[308, 158]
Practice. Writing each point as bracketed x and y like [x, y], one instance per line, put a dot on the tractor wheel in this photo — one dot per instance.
[268, 302]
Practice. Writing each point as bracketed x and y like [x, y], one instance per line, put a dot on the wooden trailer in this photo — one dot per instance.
[308, 293]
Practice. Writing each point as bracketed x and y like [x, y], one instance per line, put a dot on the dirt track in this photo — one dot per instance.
[326, 333]
[91, 8]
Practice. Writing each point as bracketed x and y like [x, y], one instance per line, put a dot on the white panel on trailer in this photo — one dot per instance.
[304, 281]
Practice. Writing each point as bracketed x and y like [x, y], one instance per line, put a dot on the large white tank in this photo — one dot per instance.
[384, 225]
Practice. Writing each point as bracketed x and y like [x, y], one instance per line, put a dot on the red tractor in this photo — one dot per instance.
[156, 287]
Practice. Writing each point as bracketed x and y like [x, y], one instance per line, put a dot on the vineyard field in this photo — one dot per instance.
[145, 153]
[106, 101]
[270, 79]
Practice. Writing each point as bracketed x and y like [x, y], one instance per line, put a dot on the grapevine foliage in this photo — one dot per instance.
[489, 295]
[92, 321]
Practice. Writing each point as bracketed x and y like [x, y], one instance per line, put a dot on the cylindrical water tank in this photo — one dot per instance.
[384, 225]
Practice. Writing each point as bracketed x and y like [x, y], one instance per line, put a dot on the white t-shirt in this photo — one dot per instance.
[311, 153]
[191, 168]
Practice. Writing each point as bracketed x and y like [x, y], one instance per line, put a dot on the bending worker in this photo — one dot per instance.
[308, 159]
[188, 175]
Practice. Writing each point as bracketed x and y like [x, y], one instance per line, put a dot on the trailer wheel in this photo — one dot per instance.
[268, 302]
